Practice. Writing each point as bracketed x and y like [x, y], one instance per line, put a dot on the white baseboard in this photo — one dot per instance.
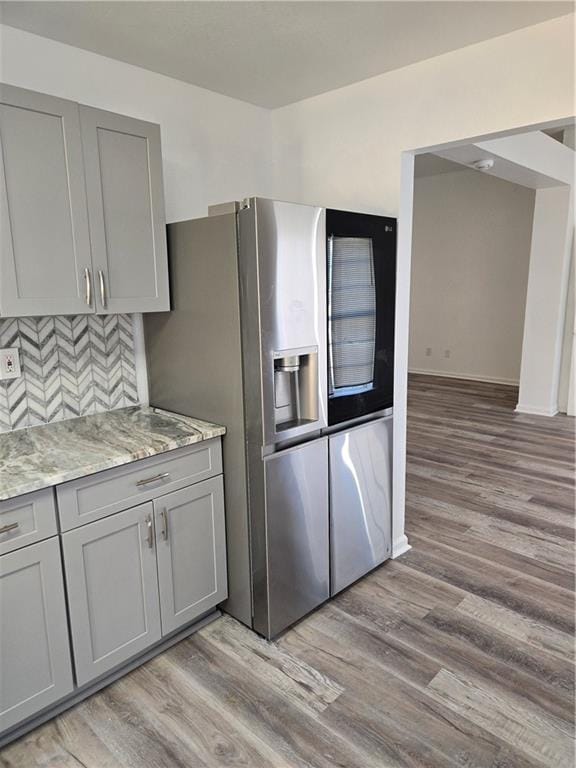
[400, 546]
[536, 410]
[466, 376]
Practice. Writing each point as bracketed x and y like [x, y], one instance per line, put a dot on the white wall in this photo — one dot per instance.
[566, 393]
[470, 258]
[567, 388]
[536, 160]
[347, 148]
[546, 301]
[214, 148]
[343, 148]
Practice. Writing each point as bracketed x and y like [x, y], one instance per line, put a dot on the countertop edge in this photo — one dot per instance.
[54, 479]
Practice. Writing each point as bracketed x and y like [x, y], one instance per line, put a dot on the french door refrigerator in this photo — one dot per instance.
[361, 289]
[246, 345]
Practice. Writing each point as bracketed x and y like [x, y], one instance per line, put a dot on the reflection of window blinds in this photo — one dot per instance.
[352, 314]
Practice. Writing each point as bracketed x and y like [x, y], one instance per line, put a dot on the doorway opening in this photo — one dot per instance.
[485, 249]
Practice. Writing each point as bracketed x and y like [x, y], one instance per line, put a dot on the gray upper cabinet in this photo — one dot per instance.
[82, 209]
[35, 667]
[45, 249]
[126, 212]
[191, 552]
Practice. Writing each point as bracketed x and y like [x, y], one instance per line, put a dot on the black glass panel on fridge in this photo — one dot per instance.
[361, 272]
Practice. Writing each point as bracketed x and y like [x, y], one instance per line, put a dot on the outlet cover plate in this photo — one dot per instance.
[10, 363]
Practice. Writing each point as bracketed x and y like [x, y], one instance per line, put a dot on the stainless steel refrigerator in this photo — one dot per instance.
[361, 291]
[246, 344]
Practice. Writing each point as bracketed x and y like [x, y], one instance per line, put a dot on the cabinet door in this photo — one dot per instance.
[45, 248]
[191, 552]
[126, 209]
[112, 590]
[35, 668]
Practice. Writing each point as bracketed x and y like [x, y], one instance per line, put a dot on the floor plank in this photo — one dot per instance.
[459, 654]
[520, 627]
[537, 736]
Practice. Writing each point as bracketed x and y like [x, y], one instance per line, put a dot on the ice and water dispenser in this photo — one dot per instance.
[295, 388]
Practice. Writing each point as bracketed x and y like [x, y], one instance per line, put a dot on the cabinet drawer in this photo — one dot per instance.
[26, 519]
[91, 498]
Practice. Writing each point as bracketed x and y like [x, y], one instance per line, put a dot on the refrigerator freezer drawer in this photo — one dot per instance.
[297, 536]
[360, 501]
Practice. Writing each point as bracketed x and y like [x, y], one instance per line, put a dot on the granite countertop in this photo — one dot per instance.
[39, 457]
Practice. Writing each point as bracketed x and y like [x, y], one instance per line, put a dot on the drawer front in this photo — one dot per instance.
[27, 519]
[97, 496]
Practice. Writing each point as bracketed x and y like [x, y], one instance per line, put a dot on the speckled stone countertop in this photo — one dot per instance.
[39, 457]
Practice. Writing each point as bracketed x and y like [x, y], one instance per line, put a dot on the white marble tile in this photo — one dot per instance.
[72, 365]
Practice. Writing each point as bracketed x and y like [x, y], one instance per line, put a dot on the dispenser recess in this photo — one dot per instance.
[295, 388]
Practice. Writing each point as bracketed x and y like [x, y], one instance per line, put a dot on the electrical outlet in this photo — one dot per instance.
[446, 353]
[428, 351]
[10, 363]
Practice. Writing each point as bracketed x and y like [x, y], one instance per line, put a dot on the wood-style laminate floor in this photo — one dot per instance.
[458, 654]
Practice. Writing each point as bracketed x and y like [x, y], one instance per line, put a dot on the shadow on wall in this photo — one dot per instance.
[470, 261]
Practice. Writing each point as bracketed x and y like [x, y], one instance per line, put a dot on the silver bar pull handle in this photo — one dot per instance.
[102, 288]
[150, 534]
[88, 286]
[164, 516]
[9, 527]
[154, 479]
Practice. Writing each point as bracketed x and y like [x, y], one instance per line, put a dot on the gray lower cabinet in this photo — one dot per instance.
[35, 668]
[112, 590]
[133, 577]
[191, 552]
[96, 496]
[44, 246]
[27, 519]
[123, 166]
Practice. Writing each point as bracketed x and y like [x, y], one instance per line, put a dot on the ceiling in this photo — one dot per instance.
[429, 164]
[275, 53]
[465, 155]
[545, 156]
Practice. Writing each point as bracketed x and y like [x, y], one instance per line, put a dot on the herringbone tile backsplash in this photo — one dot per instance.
[71, 366]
